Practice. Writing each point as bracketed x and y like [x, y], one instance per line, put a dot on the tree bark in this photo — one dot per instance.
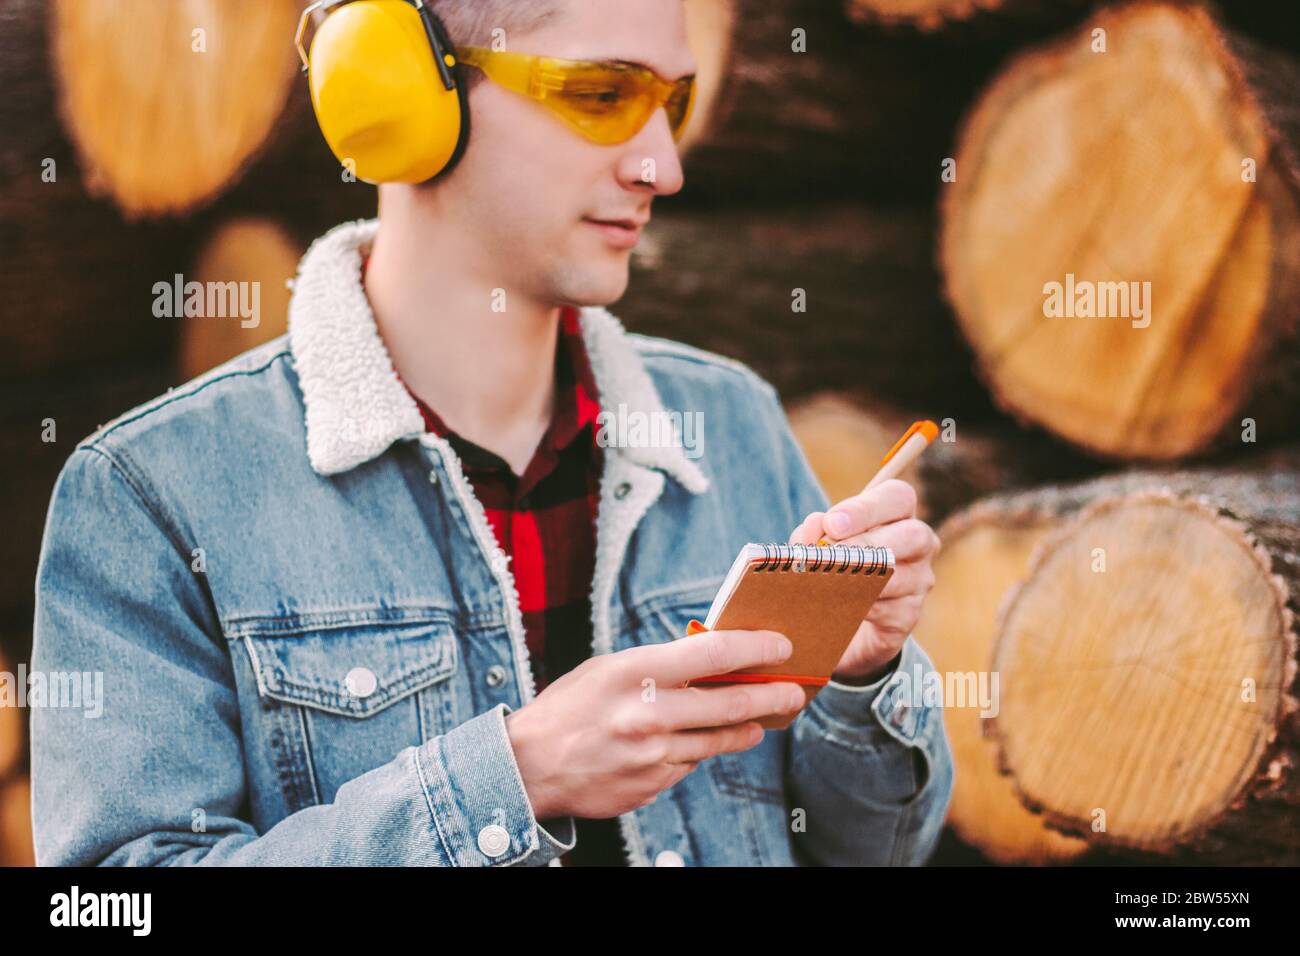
[845, 441]
[872, 324]
[934, 15]
[814, 106]
[76, 278]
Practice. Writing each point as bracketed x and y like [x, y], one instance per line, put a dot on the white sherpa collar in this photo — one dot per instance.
[356, 406]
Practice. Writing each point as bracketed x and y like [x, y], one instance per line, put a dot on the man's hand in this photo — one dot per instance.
[613, 732]
[883, 517]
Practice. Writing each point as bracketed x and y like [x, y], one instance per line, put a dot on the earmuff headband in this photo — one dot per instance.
[441, 44]
[433, 29]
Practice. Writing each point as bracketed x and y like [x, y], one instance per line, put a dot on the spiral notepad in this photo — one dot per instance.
[815, 596]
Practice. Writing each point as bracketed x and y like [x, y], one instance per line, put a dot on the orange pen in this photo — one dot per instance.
[905, 451]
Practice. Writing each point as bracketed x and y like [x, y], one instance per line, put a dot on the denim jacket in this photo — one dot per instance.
[309, 638]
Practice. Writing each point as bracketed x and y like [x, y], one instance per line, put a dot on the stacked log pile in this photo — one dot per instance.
[1069, 234]
[1142, 625]
[15, 798]
[1148, 664]
[1144, 156]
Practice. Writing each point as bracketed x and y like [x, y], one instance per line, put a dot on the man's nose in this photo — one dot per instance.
[651, 160]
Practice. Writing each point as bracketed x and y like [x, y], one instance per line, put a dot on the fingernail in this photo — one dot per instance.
[796, 700]
[837, 523]
[784, 648]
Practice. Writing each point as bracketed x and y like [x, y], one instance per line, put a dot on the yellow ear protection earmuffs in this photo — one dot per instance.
[384, 87]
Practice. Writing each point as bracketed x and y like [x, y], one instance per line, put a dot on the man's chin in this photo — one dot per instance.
[596, 289]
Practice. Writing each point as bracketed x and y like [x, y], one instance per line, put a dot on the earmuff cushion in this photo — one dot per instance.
[380, 94]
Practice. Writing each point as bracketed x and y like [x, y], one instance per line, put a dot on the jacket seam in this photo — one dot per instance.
[162, 401]
[275, 626]
[135, 480]
[655, 347]
[896, 852]
[426, 790]
[832, 729]
[307, 752]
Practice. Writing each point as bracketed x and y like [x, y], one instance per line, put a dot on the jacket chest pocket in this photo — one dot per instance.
[340, 701]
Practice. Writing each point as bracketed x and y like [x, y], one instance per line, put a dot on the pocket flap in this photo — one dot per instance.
[355, 670]
[672, 611]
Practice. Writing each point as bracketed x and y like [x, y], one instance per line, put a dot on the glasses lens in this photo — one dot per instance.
[679, 104]
[610, 103]
[597, 91]
[607, 104]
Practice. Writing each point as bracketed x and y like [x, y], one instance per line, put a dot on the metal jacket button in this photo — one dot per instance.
[493, 840]
[621, 491]
[496, 675]
[669, 858]
[361, 682]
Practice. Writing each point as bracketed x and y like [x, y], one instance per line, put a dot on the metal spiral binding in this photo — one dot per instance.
[842, 559]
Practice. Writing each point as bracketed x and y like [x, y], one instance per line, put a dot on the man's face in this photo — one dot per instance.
[528, 187]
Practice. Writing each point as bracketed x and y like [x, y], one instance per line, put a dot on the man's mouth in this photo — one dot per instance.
[620, 233]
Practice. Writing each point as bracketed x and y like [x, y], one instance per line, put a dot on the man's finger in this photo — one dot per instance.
[696, 745]
[711, 652]
[910, 539]
[896, 614]
[723, 705]
[891, 500]
[809, 531]
[914, 578]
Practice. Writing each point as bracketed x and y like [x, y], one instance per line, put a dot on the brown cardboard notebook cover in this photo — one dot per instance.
[816, 596]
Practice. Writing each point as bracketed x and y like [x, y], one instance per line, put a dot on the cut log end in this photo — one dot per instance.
[12, 732]
[1132, 327]
[709, 28]
[16, 846]
[1146, 664]
[166, 102]
[985, 551]
[845, 438]
[925, 15]
[844, 441]
[243, 255]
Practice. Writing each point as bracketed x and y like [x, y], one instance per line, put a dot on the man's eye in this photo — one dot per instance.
[608, 96]
[601, 96]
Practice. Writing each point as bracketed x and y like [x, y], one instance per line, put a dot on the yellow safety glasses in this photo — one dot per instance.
[606, 102]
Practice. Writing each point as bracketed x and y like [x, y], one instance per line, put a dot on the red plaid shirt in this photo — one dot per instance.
[545, 520]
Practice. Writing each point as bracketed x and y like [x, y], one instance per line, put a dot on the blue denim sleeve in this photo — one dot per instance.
[115, 595]
[869, 766]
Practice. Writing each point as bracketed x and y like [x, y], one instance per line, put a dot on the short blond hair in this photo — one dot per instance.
[474, 22]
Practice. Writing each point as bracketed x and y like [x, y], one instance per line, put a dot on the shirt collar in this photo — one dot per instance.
[355, 406]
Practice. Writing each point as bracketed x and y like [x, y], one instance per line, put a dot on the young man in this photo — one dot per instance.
[379, 591]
